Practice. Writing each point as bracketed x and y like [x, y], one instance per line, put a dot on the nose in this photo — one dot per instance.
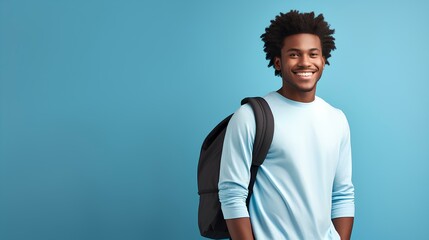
[304, 61]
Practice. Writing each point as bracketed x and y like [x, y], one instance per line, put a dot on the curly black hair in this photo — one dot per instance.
[295, 22]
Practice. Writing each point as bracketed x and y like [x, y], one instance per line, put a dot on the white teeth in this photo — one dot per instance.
[304, 74]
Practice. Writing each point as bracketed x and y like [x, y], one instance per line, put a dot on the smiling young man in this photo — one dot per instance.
[303, 190]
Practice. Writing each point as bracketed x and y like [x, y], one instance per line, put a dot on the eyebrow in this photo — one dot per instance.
[299, 50]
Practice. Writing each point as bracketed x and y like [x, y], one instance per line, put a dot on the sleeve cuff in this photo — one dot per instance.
[233, 203]
[343, 210]
[234, 212]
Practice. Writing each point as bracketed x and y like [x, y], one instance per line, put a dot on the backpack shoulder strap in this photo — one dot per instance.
[264, 128]
[263, 137]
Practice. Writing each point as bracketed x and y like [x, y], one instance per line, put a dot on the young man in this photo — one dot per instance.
[303, 190]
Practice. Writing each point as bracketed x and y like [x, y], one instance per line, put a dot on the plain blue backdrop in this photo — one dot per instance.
[104, 106]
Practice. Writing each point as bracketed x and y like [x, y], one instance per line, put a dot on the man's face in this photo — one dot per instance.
[301, 63]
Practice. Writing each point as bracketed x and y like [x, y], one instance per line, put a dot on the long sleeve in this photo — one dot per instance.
[306, 178]
[343, 189]
[236, 162]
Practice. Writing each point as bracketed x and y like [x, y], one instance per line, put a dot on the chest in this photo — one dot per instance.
[305, 142]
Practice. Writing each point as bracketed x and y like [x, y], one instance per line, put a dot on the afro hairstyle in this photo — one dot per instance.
[292, 23]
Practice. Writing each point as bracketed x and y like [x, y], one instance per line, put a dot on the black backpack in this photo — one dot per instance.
[210, 217]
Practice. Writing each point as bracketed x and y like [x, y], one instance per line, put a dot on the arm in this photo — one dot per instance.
[240, 228]
[344, 226]
[234, 173]
[343, 206]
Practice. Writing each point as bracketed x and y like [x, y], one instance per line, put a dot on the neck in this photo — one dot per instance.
[304, 97]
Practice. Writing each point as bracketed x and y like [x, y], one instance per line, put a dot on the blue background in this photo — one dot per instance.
[104, 106]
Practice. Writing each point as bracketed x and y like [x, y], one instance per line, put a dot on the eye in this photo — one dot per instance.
[293, 55]
[314, 55]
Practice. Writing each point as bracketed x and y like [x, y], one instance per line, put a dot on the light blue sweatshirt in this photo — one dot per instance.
[304, 182]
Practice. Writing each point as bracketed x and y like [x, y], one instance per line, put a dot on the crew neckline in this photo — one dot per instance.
[296, 103]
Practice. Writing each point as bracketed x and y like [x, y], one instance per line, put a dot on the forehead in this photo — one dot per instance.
[302, 41]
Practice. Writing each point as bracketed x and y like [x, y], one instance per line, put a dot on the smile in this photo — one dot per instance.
[304, 74]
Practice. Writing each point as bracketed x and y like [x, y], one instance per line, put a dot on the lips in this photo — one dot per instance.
[304, 74]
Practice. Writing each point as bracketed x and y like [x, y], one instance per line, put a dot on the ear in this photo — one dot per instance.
[278, 63]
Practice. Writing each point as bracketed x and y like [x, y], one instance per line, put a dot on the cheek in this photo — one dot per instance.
[320, 64]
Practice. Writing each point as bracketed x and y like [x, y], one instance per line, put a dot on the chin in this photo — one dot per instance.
[302, 89]
[306, 87]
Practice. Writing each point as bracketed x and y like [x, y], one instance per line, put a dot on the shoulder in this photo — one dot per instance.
[242, 124]
[244, 111]
[335, 114]
[243, 117]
